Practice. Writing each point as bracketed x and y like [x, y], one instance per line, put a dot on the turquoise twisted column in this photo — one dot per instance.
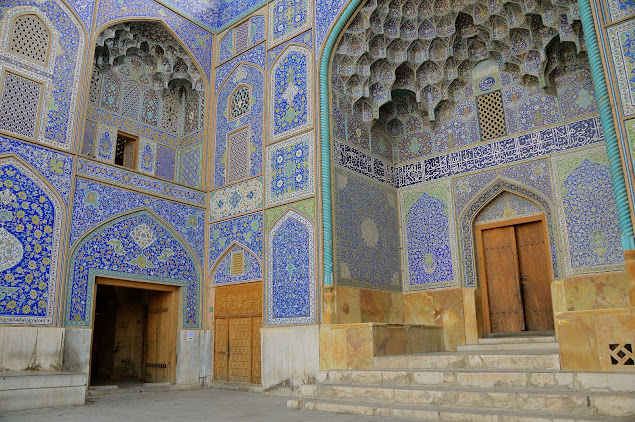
[325, 140]
[608, 127]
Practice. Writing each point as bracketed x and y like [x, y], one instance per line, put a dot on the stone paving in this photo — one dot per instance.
[193, 405]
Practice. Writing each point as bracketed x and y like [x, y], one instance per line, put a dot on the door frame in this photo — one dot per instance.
[480, 257]
[142, 285]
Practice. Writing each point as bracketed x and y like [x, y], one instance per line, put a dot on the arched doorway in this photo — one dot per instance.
[514, 266]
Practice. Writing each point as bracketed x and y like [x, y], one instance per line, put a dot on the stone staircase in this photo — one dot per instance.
[498, 380]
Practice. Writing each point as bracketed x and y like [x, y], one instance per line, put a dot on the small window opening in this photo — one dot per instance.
[126, 151]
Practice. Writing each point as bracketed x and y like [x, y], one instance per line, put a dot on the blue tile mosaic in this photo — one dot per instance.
[428, 237]
[256, 55]
[252, 270]
[366, 236]
[139, 247]
[252, 77]
[125, 178]
[61, 76]
[96, 202]
[291, 271]
[30, 240]
[288, 18]
[246, 231]
[54, 166]
[198, 40]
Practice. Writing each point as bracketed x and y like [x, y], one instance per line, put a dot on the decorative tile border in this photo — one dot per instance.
[620, 9]
[361, 162]
[290, 173]
[243, 197]
[621, 40]
[145, 184]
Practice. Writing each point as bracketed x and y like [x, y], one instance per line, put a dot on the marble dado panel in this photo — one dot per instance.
[243, 197]
[621, 40]
[145, 184]
[54, 166]
[198, 40]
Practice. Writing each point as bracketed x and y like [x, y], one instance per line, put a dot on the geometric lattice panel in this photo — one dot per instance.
[491, 115]
[238, 155]
[622, 354]
[240, 102]
[19, 105]
[30, 38]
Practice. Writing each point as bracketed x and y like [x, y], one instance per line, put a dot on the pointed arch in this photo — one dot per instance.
[253, 273]
[115, 249]
[480, 201]
[29, 275]
[290, 78]
[291, 270]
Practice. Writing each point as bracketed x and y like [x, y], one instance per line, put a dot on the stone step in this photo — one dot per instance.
[443, 414]
[540, 360]
[508, 347]
[486, 378]
[517, 340]
[569, 402]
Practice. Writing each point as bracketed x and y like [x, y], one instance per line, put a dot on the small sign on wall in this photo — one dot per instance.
[189, 336]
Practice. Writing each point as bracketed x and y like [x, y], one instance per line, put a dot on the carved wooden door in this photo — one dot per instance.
[159, 338]
[500, 261]
[256, 368]
[535, 282]
[221, 345]
[240, 341]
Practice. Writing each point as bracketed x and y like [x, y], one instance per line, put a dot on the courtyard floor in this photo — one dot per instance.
[182, 406]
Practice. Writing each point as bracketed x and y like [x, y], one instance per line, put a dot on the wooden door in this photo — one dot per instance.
[159, 338]
[500, 263]
[240, 341]
[221, 346]
[533, 259]
[256, 368]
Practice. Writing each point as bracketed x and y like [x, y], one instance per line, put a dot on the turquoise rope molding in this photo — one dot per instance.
[608, 126]
[325, 140]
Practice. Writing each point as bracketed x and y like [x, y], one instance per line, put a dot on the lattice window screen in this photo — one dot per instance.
[622, 354]
[170, 114]
[19, 105]
[239, 104]
[242, 37]
[238, 155]
[95, 86]
[130, 101]
[30, 38]
[491, 115]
